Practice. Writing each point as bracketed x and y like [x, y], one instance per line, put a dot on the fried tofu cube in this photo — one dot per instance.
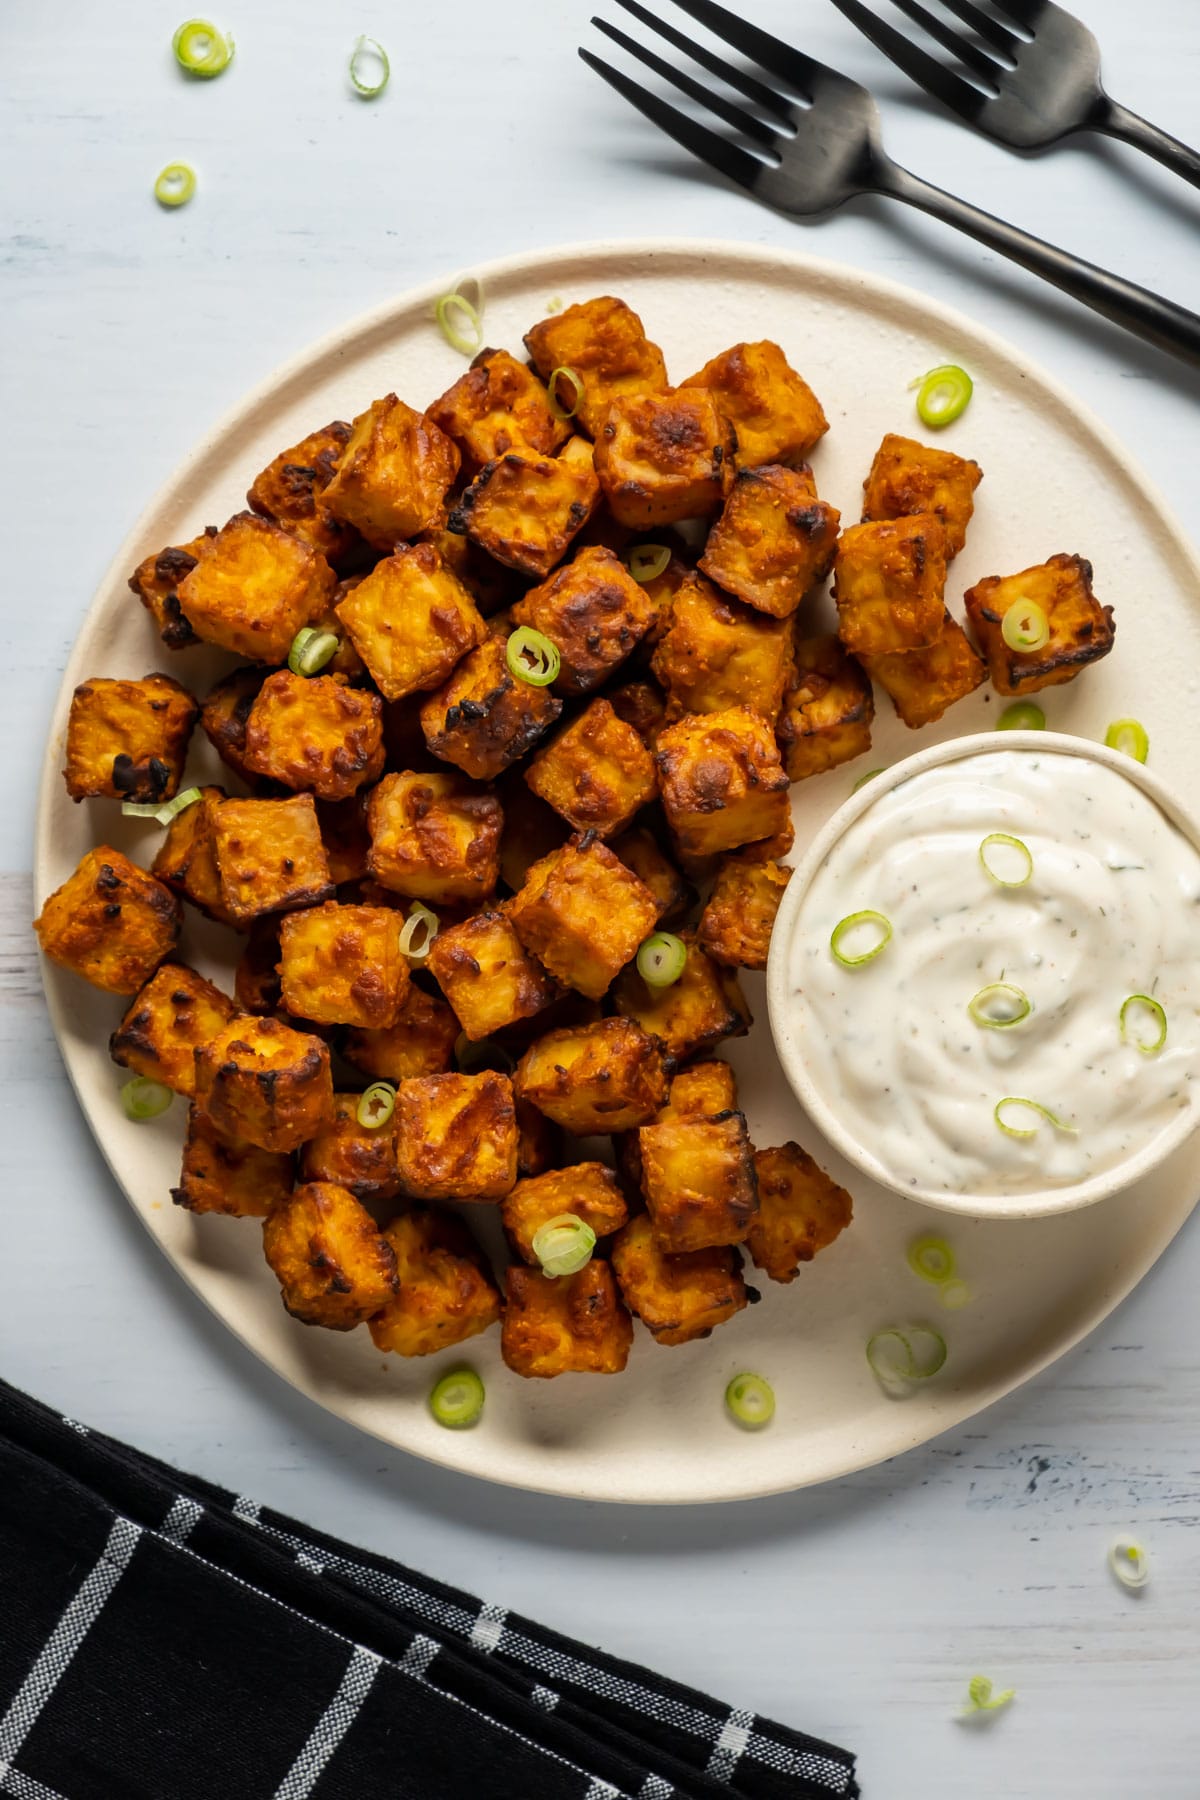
[583, 914]
[497, 406]
[487, 975]
[186, 861]
[735, 926]
[593, 612]
[698, 1180]
[254, 588]
[639, 850]
[525, 510]
[569, 1325]
[664, 457]
[227, 1176]
[315, 734]
[908, 478]
[705, 1005]
[700, 1090]
[332, 1262]
[539, 1142]
[485, 718]
[225, 713]
[412, 621]
[889, 583]
[827, 709]
[677, 1298]
[597, 772]
[603, 342]
[175, 1011]
[270, 857]
[923, 683]
[456, 1136]
[447, 1293]
[128, 740]
[1081, 630]
[717, 653]
[421, 1042]
[603, 1077]
[643, 705]
[723, 784]
[257, 987]
[393, 475]
[291, 489]
[489, 583]
[777, 417]
[156, 584]
[360, 1158]
[261, 1080]
[434, 837]
[342, 965]
[774, 540]
[531, 829]
[801, 1209]
[586, 1191]
[109, 922]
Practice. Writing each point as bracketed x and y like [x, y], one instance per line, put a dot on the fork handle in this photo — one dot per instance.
[1117, 121]
[1160, 322]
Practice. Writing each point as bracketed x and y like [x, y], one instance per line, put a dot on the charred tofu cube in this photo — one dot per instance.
[256, 984]
[411, 620]
[531, 829]
[421, 1042]
[341, 965]
[717, 653]
[643, 705]
[597, 772]
[664, 457]
[434, 837]
[225, 715]
[447, 1293]
[639, 851]
[345, 836]
[694, 1013]
[1081, 630]
[360, 1158]
[583, 914]
[525, 510]
[497, 406]
[291, 492]
[110, 922]
[456, 1136]
[485, 718]
[569, 1325]
[603, 342]
[677, 1298]
[227, 1176]
[735, 927]
[254, 588]
[800, 1211]
[393, 475]
[156, 584]
[258, 1079]
[270, 857]
[593, 612]
[586, 1191]
[186, 859]
[923, 683]
[332, 1262]
[723, 784]
[699, 1182]
[908, 478]
[176, 1011]
[889, 583]
[774, 540]
[128, 740]
[603, 1077]
[827, 710]
[316, 735]
[777, 417]
[487, 975]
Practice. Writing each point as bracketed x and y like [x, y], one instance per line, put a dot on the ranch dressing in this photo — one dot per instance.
[1112, 909]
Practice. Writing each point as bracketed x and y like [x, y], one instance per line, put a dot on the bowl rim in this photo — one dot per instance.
[1035, 1203]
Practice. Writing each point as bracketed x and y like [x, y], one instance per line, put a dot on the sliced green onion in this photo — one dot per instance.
[662, 959]
[1022, 715]
[145, 1099]
[751, 1400]
[175, 185]
[863, 779]
[1129, 1035]
[201, 49]
[554, 304]
[563, 1245]
[564, 373]
[474, 1059]
[1127, 1560]
[852, 922]
[981, 1699]
[1014, 1004]
[1000, 842]
[451, 309]
[366, 52]
[376, 1106]
[311, 650]
[1025, 627]
[955, 1295]
[162, 812]
[532, 657]
[900, 1355]
[457, 1399]
[1129, 736]
[648, 561]
[1035, 1106]
[942, 395]
[932, 1259]
[420, 929]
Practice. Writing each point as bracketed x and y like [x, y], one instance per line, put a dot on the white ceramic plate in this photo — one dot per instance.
[1054, 480]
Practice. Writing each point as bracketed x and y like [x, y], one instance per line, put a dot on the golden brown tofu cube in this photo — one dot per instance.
[569, 1325]
[434, 837]
[421, 1042]
[526, 510]
[586, 1191]
[110, 922]
[256, 984]
[735, 927]
[411, 620]
[705, 1005]
[489, 583]
[800, 1211]
[447, 1292]
[776, 415]
[128, 740]
[923, 683]
[497, 406]
[597, 772]
[484, 718]
[643, 705]
[315, 734]
[1081, 630]
[889, 583]
[175, 1011]
[639, 850]
[717, 653]
[907, 478]
[260, 1080]
[224, 716]
[583, 914]
[341, 965]
[663, 457]
[254, 588]
[827, 710]
[772, 849]
[361, 1158]
[723, 784]
[593, 612]
[774, 540]
[677, 1298]
[456, 1136]
[603, 1077]
[698, 1180]
[186, 859]
[487, 975]
[270, 857]
[156, 583]
[333, 1263]
[393, 475]
[221, 1175]
[604, 343]
[700, 1090]
[291, 489]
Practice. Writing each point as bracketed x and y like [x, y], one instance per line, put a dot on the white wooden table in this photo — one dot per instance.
[859, 1610]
